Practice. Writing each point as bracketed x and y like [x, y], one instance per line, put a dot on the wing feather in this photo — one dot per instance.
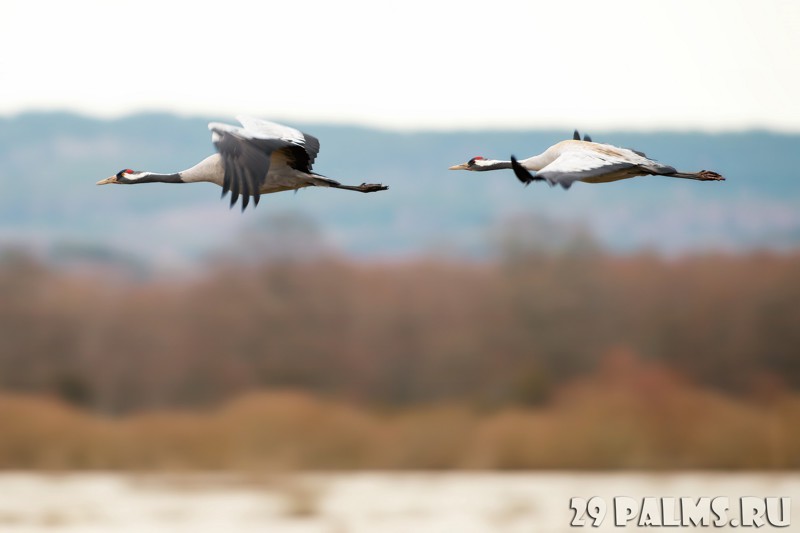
[245, 180]
[235, 182]
[266, 129]
[572, 166]
[246, 154]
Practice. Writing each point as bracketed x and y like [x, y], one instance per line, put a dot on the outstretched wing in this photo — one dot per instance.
[574, 166]
[247, 152]
[265, 128]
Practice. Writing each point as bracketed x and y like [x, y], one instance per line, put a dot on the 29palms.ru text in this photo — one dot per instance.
[721, 511]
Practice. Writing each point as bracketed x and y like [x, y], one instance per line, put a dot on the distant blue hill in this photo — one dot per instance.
[49, 163]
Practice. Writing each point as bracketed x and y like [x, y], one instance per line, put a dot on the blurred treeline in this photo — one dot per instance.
[510, 332]
[555, 354]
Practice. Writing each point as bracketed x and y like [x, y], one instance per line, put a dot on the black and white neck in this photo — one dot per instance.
[488, 164]
[209, 169]
[148, 177]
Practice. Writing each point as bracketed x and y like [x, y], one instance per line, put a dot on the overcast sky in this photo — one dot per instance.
[613, 64]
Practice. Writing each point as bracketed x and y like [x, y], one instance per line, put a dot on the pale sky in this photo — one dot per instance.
[708, 65]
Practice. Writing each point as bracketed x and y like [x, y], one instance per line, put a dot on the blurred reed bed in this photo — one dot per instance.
[574, 359]
[630, 415]
[395, 334]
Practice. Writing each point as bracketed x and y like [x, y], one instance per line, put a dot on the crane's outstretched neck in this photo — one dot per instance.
[538, 162]
[153, 177]
[129, 177]
[490, 164]
[209, 169]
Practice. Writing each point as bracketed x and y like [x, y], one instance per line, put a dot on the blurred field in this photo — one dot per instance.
[630, 416]
[576, 359]
[491, 334]
[368, 502]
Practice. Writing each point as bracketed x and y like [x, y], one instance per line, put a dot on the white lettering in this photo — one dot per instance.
[651, 513]
[720, 506]
[695, 514]
[579, 506]
[596, 509]
[668, 512]
[752, 511]
[624, 510]
[775, 518]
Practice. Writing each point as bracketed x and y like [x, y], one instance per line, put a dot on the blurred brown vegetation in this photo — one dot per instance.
[395, 334]
[630, 415]
[570, 360]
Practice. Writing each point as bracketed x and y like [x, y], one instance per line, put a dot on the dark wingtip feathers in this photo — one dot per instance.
[576, 136]
[245, 190]
[226, 183]
[238, 185]
[521, 172]
[587, 138]
[234, 187]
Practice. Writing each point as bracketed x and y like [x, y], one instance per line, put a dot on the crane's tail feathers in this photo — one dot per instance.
[703, 175]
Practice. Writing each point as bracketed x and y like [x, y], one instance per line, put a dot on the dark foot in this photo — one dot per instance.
[372, 187]
[708, 175]
[364, 187]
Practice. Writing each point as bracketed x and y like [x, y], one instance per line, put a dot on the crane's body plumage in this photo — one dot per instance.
[569, 161]
[260, 157]
[573, 160]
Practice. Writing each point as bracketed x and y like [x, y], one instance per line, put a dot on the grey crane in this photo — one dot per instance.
[573, 160]
[261, 157]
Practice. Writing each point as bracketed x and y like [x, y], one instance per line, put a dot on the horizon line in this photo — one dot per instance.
[416, 128]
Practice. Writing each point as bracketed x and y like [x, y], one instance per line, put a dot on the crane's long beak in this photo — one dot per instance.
[462, 166]
[112, 179]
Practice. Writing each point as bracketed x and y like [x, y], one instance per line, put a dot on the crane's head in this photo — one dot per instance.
[476, 163]
[125, 175]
